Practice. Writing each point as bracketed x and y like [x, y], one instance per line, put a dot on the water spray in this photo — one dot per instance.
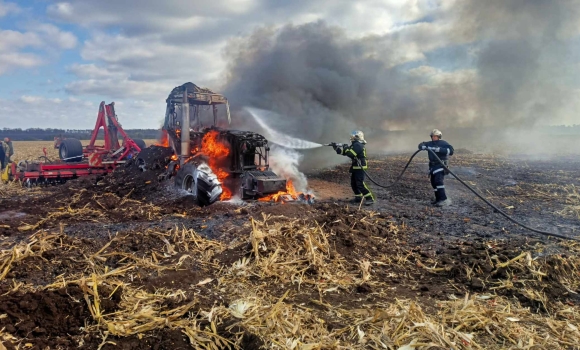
[278, 137]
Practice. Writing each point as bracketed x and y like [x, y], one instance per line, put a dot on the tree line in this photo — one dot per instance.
[37, 134]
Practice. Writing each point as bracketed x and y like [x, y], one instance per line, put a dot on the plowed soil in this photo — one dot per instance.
[424, 250]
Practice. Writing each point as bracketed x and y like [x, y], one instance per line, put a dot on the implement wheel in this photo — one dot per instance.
[140, 143]
[200, 182]
[71, 150]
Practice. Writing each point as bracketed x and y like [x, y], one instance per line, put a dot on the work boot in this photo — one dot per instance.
[437, 198]
[356, 200]
[369, 201]
[443, 203]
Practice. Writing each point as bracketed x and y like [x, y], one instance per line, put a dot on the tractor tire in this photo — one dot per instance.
[71, 150]
[200, 182]
[140, 143]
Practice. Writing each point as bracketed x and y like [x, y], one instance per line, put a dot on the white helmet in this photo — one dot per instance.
[357, 135]
[436, 132]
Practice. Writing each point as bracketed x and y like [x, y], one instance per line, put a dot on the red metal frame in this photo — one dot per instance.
[93, 154]
[60, 171]
[107, 120]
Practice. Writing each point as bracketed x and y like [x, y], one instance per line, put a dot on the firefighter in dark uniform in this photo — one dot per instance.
[357, 152]
[2, 156]
[436, 170]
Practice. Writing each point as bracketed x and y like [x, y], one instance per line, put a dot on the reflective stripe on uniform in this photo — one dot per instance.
[438, 170]
[358, 167]
[441, 186]
[448, 150]
[370, 193]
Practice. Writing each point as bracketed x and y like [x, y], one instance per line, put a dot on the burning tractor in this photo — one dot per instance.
[213, 163]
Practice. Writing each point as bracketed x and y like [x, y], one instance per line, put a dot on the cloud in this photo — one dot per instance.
[117, 88]
[53, 36]
[331, 65]
[38, 99]
[11, 60]
[171, 42]
[73, 113]
[8, 8]
[47, 112]
[41, 37]
[14, 40]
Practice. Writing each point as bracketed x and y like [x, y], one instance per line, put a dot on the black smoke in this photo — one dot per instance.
[511, 70]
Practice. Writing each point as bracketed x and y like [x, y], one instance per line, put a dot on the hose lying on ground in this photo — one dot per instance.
[546, 233]
[397, 179]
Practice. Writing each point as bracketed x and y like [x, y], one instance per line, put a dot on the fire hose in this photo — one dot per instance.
[503, 213]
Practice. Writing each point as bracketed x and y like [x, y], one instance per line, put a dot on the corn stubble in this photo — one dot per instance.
[284, 259]
[296, 255]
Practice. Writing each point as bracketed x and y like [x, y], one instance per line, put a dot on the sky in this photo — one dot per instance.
[391, 64]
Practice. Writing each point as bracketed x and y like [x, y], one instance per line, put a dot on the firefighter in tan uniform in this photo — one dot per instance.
[8, 151]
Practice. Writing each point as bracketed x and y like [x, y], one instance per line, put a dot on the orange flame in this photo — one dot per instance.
[174, 157]
[163, 140]
[290, 191]
[216, 150]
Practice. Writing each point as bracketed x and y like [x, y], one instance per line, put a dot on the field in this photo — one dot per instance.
[126, 262]
[31, 150]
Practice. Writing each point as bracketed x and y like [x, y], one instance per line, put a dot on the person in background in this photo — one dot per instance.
[8, 151]
[436, 169]
[2, 156]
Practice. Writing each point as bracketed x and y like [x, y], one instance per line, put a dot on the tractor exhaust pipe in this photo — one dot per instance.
[185, 151]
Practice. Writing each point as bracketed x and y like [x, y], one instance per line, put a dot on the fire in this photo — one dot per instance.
[290, 191]
[163, 140]
[216, 150]
[174, 157]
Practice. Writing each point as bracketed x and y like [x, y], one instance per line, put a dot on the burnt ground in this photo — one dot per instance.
[94, 226]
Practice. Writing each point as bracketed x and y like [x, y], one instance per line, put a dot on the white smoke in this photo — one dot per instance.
[284, 162]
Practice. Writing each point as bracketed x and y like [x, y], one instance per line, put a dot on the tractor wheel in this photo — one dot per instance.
[140, 143]
[71, 150]
[200, 182]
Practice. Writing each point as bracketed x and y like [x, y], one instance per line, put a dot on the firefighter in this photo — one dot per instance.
[436, 170]
[358, 154]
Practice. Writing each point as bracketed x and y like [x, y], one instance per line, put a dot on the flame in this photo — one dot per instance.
[163, 140]
[276, 197]
[216, 150]
[174, 157]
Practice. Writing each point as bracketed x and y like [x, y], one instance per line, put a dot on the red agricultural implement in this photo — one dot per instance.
[77, 160]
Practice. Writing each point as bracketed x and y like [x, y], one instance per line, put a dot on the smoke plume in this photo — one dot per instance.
[494, 64]
[285, 162]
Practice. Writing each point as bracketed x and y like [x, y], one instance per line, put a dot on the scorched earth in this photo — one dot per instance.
[125, 262]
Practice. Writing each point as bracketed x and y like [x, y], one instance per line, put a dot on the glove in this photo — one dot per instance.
[422, 146]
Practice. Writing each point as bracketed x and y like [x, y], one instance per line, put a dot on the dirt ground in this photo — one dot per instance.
[130, 263]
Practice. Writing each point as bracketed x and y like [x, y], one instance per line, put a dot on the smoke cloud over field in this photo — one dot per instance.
[465, 64]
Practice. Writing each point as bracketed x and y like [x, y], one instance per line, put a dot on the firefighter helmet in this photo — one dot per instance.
[357, 135]
[436, 132]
